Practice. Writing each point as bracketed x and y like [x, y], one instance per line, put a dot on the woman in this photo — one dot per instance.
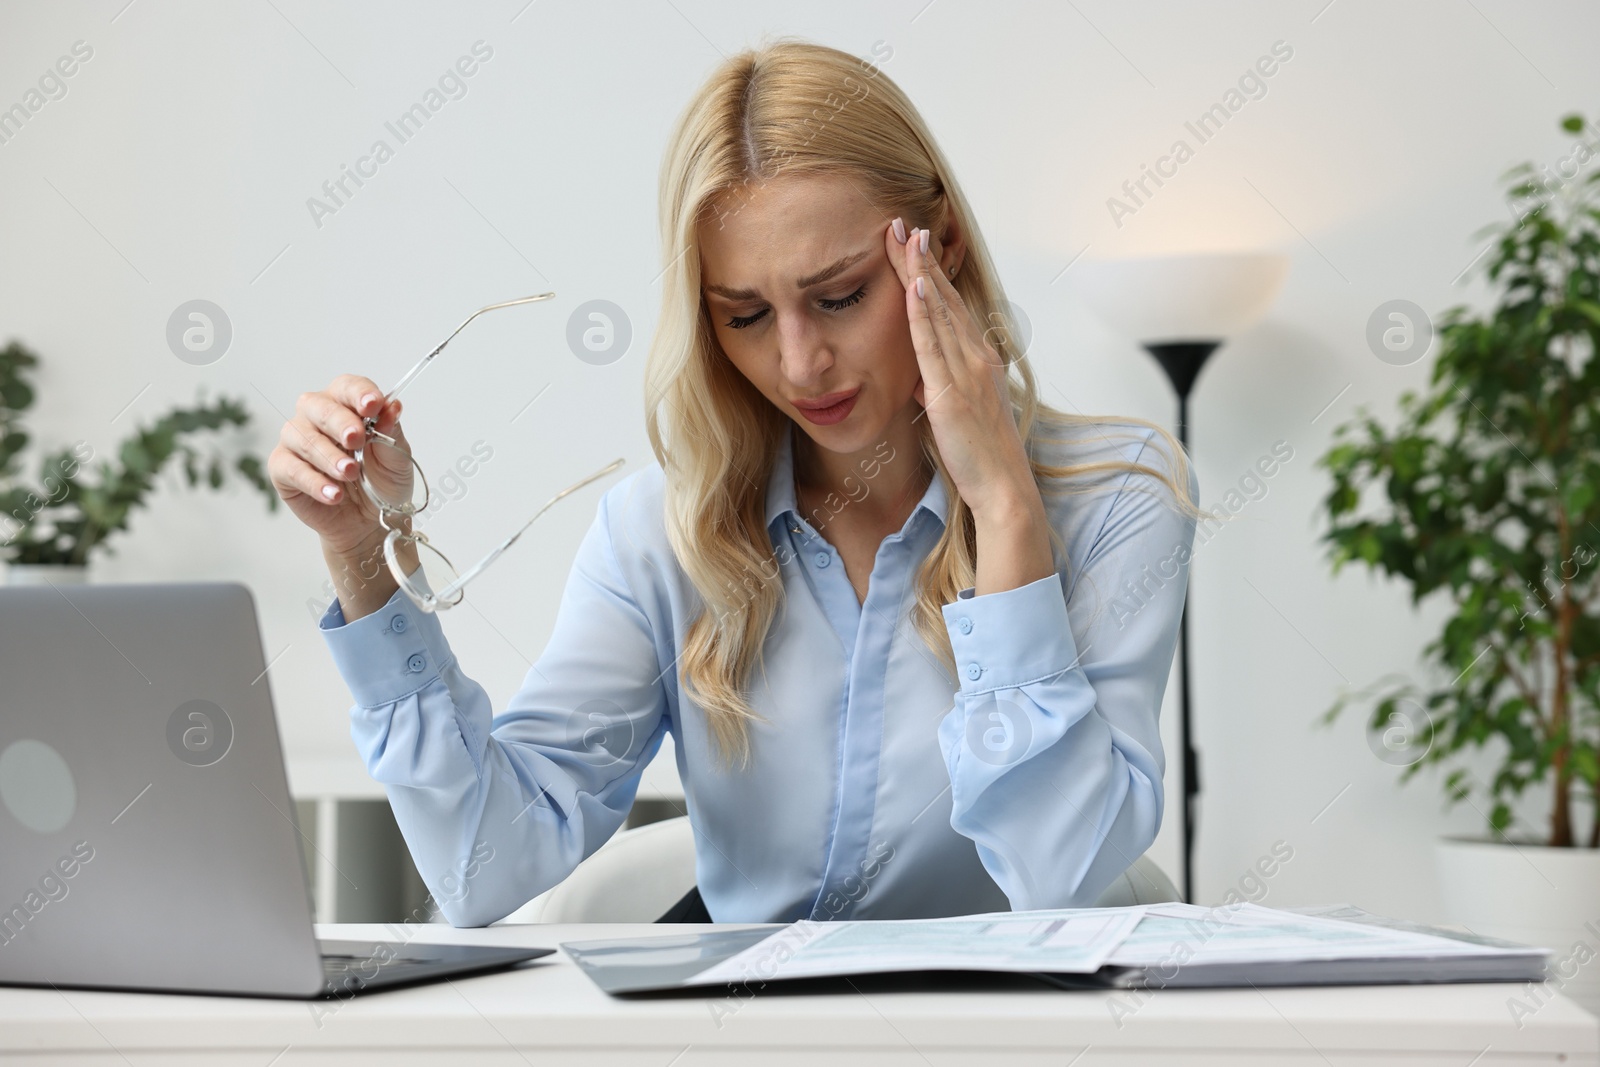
[962, 603]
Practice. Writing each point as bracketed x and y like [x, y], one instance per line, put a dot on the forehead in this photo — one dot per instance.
[785, 227]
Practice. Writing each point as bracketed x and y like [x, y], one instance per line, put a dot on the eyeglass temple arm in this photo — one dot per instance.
[423, 363]
[451, 589]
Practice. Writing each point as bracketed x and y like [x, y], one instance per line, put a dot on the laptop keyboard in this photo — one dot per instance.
[350, 966]
[337, 965]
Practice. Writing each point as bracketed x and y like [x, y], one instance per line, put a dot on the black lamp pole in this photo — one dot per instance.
[1182, 361]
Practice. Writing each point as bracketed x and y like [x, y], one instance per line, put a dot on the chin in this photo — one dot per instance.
[852, 435]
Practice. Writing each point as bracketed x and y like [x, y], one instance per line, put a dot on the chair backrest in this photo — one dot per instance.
[1143, 883]
[633, 878]
[640, 873]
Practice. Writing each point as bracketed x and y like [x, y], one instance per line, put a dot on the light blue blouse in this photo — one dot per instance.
[879, 787]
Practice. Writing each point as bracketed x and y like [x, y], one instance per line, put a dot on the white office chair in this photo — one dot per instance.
[640, 873]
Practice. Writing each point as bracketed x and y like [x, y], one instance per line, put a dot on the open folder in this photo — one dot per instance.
[1141, 946]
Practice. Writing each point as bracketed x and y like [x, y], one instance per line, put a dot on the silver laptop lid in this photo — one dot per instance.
[147, 836]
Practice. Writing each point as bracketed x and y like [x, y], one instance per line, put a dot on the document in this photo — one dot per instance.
[1073, 941]
[1251, 933]
[1171, 945]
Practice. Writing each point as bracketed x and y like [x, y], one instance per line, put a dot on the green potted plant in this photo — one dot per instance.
[1487, 495]
[49, 528]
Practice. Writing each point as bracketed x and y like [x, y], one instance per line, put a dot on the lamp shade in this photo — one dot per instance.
[1181, 298]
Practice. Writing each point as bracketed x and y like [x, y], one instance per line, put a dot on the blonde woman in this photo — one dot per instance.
[908, 627]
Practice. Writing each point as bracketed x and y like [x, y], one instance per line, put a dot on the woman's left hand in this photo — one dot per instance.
[963, 387]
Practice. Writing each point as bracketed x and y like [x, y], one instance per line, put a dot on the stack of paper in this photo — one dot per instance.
[1143, 946]
[1185, 946]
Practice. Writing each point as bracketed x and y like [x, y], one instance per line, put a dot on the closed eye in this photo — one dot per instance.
[739, 322]
[844, 302]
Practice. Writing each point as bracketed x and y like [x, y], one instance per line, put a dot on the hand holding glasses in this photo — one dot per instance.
[391, 478]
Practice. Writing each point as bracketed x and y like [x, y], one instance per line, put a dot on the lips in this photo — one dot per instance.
[830, 400]
[835, 407]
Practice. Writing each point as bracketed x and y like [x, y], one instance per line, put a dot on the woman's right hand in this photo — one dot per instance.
[315, 473]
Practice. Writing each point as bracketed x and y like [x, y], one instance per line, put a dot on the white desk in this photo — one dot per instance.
[547, 1011]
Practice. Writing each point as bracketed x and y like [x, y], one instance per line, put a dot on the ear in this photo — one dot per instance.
[952, 247]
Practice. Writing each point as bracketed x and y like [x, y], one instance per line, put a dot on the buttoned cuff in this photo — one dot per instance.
[1010, 638]
[389, 654]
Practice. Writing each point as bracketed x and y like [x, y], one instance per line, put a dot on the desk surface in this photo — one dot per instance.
[549, 1007]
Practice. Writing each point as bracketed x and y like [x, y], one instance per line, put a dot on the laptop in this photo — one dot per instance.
[148, 838]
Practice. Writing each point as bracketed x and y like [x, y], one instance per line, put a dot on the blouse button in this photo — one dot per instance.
[417, 662]
[398, 624]
[965, 624]
[823, 559]
[973, 671]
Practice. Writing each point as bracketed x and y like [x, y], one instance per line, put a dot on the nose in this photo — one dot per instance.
[803, 353]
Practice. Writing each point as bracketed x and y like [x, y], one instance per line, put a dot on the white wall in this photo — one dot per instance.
[179, 163]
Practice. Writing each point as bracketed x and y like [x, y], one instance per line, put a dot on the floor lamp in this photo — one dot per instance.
[1182, 309]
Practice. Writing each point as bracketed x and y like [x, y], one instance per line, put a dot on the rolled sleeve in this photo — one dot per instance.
[1011, 638]
[388, 655]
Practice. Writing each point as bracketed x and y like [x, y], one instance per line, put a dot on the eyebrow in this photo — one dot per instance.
[831, 270]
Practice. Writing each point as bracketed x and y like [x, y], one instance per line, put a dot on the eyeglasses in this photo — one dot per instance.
[392, 477]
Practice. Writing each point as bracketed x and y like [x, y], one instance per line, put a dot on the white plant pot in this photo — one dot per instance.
[45, 574]
[1534, 894]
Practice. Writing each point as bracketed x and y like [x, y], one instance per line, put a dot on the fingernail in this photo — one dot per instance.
[920, 293]
[899, 231]
[329, 491]
[924, 240]
[345, 466]
[369, 398]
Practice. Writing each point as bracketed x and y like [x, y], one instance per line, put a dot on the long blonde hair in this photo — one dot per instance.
[795, 108]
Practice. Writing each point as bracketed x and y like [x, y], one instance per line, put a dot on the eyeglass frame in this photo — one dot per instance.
[426, 599]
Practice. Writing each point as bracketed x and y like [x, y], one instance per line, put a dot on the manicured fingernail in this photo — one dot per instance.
[330, 491]
[345, 466]
[369, 398]
[924, 241]
[899, 231]
[920, 293]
